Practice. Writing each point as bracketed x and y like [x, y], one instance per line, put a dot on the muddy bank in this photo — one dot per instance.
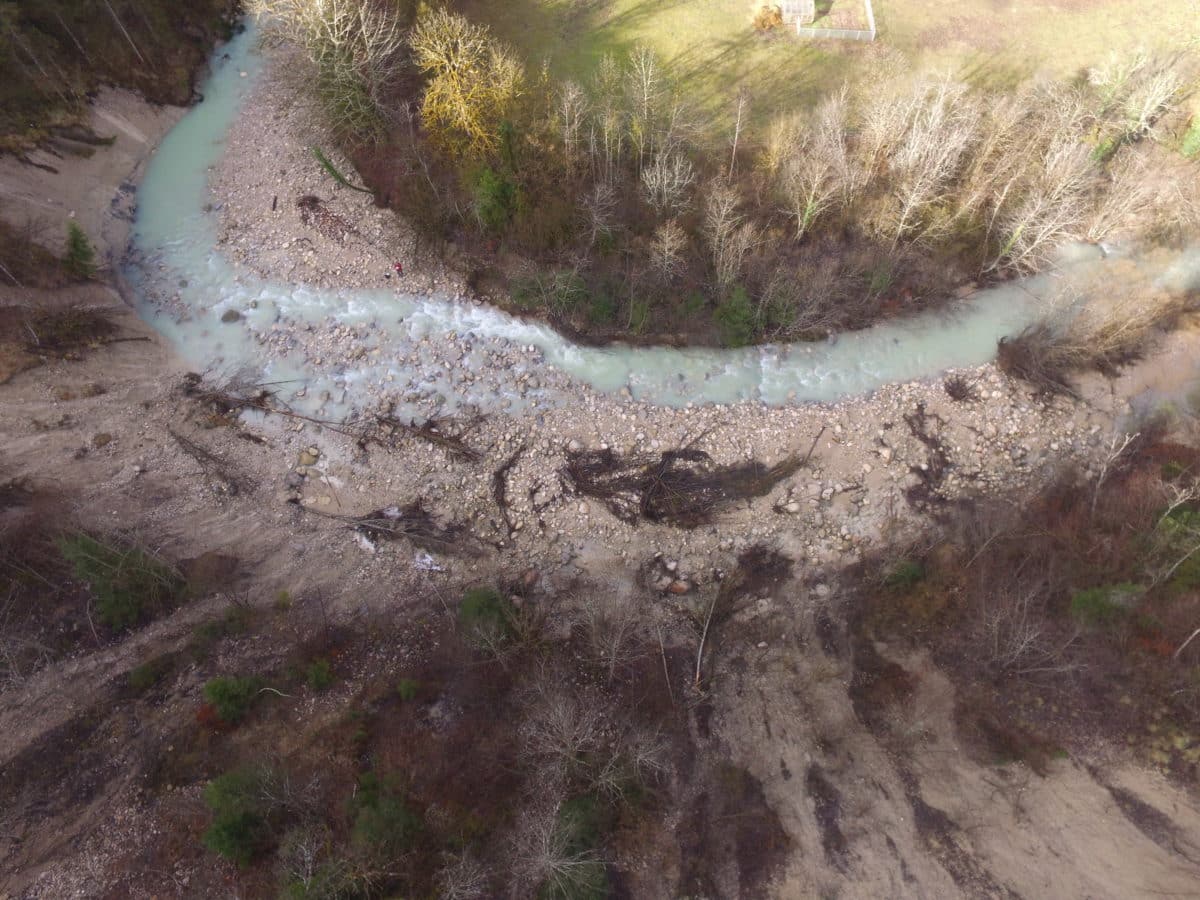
[98, 190]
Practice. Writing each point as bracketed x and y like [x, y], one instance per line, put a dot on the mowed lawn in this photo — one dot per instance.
[710, 50]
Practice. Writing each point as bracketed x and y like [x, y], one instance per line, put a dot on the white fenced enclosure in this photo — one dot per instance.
[801, 14]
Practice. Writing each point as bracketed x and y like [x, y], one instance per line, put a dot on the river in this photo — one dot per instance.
[185, 285]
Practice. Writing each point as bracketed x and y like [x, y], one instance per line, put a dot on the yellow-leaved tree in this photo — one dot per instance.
[474, 80]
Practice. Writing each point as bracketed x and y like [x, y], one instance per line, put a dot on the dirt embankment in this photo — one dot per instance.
[101, 786]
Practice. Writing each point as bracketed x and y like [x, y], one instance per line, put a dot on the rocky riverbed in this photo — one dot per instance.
[119, 433]
[859, 480]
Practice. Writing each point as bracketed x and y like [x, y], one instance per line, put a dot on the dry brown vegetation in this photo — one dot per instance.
[462, 767]
[58, 51]
[1102, 335]
[610, 208]
[30, 336]
[24, 261]
[1051, 617]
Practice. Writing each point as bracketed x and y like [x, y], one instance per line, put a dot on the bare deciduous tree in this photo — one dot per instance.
[815, 170]
[1152, 95]
[783, 136]
[666, 253]
[599, 207]
[474, 80]
[560, 728]
[1127, 193]
[353, 44]
[1117, 445]
[304, 858]
[572, 108]
[607, 133]
[644, 86]
[741, 107]
[999, 155]
[612, 633]
[465, 878]
[884, 122]
[666, 181]
[730, 236]
[543, 854]
[943, 128]
[1017, 633]
[1034, 218]
[810, 189]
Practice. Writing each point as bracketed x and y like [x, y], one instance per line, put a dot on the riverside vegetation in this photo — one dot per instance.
[436, 717]
[518, 739]
[58, 52]
[613, 209]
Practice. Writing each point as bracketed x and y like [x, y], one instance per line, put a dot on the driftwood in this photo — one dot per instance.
[449, 434]
[382, 428]
[214, 467]
[500, 486]
[683, 487]
[928, 489]
[411, 521]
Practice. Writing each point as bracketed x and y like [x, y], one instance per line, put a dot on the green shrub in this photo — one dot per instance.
[1179, 528]
[80, 261]
[485, 616]
[382, 821]
[908, 573]
[495, 200]
[238, 837]
[149, 673]
[582, 822]
[602, 309]
[555, 292]
[232, 696]
[735, 317]
[606, 243]
[509, 140]
[1172, 470]
[235, 620]
[879, 279]
[1103, 606]
[239, 830]
[408, 688]
[319, 674]
[1190, 146]
[1104, 150]
[694, 304]
[639, 315]
[129, 585]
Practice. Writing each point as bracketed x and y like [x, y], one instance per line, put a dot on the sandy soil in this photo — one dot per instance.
[97, 191]
[781, 706]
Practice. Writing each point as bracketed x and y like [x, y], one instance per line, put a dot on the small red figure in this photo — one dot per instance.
[399, 267]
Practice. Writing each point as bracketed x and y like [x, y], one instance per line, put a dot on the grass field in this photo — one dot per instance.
[710, 49]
